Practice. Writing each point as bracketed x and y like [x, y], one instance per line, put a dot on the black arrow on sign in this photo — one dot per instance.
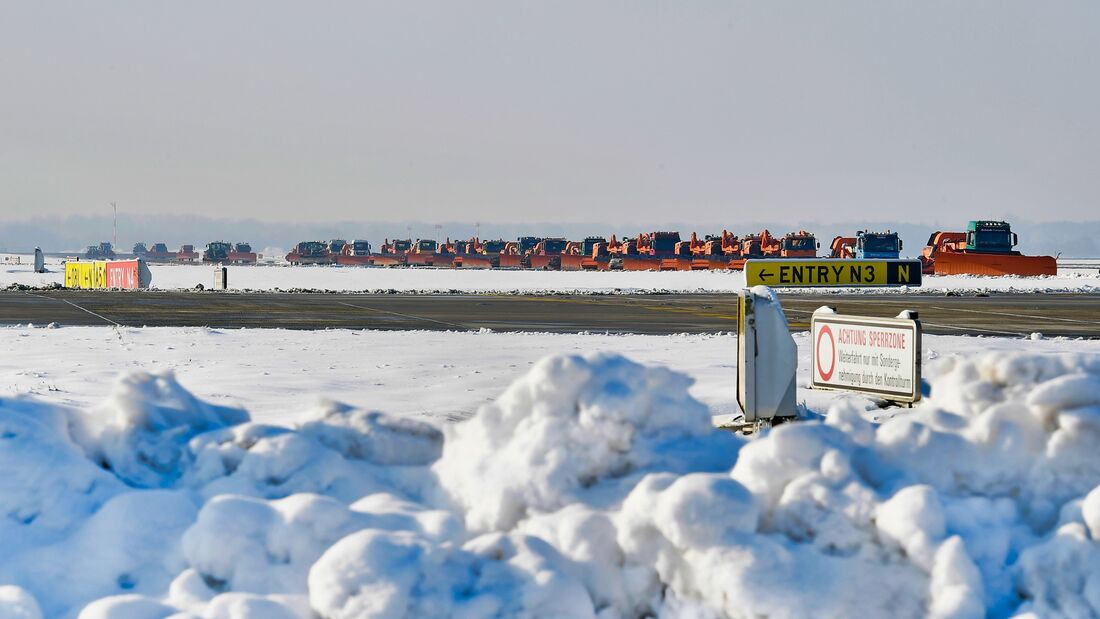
[764, 274]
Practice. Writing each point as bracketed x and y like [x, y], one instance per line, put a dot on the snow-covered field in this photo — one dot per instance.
[1083, 276]
[591, 486]
[280, 374]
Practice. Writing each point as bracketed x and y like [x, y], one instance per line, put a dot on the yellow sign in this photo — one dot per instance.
[811, 272]
[80, 274]
[89, 274]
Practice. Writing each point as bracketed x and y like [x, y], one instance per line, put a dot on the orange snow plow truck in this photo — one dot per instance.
[984, 249]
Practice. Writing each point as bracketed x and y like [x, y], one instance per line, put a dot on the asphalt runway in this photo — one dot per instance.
[1075, 315]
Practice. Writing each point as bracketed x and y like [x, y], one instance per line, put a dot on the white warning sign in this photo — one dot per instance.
[877, 356]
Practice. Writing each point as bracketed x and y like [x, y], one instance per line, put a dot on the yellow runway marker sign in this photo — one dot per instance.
[831, 272]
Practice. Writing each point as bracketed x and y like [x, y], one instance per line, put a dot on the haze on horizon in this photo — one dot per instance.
[567, 111]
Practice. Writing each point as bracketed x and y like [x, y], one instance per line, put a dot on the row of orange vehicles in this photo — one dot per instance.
[653, 251]
[986, 248]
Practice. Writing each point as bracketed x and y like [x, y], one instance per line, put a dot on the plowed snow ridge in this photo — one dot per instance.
[591, 486]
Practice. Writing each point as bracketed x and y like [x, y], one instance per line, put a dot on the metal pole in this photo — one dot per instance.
[114, 241]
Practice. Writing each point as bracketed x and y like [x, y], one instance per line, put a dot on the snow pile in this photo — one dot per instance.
[593, 487]
[15, 603]
[376, 573]
[571, 423]
[373, 436]
[140, 432]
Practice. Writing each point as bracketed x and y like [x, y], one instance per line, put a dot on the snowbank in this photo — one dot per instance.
[593, 487]
[15, 603]
[571, 423]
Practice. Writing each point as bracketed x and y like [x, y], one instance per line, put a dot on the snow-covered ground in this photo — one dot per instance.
[591, 486]
[1082, 276]
[279, 374]
[241, 474]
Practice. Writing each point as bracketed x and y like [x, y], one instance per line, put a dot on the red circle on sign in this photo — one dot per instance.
[825, 330]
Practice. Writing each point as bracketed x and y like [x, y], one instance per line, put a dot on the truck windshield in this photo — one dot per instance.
[554, 246]
[877, 243]
[993, 239]
[493, 247]
[665, 243]
[800, 243]
[361, 246]
[427, 245]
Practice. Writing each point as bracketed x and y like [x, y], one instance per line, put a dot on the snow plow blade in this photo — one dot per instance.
[387, 260]
[675, 264]
[511, 261]
[716, 263]
[343, 260]
[640, 263]
[965, 263]
[476, 261]
[573, 262]
[545, 263]
[424, 260]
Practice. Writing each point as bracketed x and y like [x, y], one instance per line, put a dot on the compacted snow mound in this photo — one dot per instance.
[593, 487]
[374, 436]
[15, 603]
[124, 500]
[397, 574]
[569, 424]
[140, 432]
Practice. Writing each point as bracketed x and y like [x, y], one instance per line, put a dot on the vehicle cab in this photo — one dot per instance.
[216, 251]
[886, 245]
[493, 247]
[527, 244]
[311, 248]
[357, 248]
[990, 236]
[552, 247]
[801, 245]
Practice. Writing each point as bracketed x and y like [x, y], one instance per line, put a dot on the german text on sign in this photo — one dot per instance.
[877, 356]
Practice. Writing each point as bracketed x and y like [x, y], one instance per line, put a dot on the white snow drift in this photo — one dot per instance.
[593, 487]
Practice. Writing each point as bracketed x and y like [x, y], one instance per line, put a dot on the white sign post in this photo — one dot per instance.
[221, 278]
[767, 360]
[877, 356]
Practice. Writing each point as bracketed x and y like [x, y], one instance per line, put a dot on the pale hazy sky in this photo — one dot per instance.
[582, 111]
